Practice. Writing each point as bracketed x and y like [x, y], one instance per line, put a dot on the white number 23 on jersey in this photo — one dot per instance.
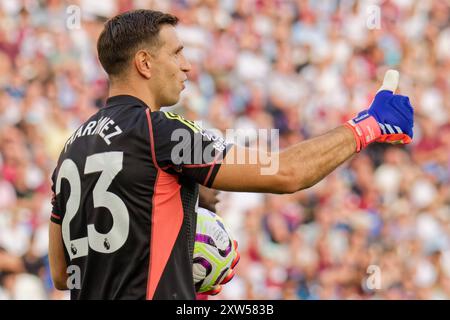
[109, 164]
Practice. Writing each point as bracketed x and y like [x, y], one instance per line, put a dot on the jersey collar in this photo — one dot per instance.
[125, 99]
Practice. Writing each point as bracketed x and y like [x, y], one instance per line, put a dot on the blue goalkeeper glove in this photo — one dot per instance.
[389, 119]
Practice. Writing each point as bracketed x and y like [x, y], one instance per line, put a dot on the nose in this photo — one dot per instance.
[185, 65]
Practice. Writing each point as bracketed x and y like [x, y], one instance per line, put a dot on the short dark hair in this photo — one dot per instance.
[128, 32]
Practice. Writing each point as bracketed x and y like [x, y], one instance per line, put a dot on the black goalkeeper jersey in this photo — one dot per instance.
[125, 193]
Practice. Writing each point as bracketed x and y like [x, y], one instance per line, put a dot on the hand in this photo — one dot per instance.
[218, 287]
[207, 198]
[389, 119]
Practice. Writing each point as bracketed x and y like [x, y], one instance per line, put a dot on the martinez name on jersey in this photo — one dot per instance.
[103, 127]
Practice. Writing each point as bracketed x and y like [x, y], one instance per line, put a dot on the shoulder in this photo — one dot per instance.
[171, 120]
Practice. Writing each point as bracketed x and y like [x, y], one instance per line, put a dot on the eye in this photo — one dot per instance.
[178, 51]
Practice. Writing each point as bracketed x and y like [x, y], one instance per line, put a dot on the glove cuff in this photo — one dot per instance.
[365, 129]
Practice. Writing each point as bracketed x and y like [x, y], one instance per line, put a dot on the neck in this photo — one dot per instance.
[128, 89]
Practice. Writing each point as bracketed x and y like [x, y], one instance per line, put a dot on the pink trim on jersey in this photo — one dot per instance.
[54, 215]
[152, 141]
[167, 218]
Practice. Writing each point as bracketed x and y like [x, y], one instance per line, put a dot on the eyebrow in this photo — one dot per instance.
[179, 48]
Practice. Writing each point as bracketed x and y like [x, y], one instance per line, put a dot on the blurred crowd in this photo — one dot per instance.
[376, 228]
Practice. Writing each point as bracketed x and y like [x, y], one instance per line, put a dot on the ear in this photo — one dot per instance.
[142, 62]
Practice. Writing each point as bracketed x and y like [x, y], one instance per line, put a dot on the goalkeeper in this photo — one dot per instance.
[124, 203]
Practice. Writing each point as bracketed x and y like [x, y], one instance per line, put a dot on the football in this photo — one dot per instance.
[214, 251]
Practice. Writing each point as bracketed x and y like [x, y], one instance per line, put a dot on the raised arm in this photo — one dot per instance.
[389, 119]
[299, 167]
